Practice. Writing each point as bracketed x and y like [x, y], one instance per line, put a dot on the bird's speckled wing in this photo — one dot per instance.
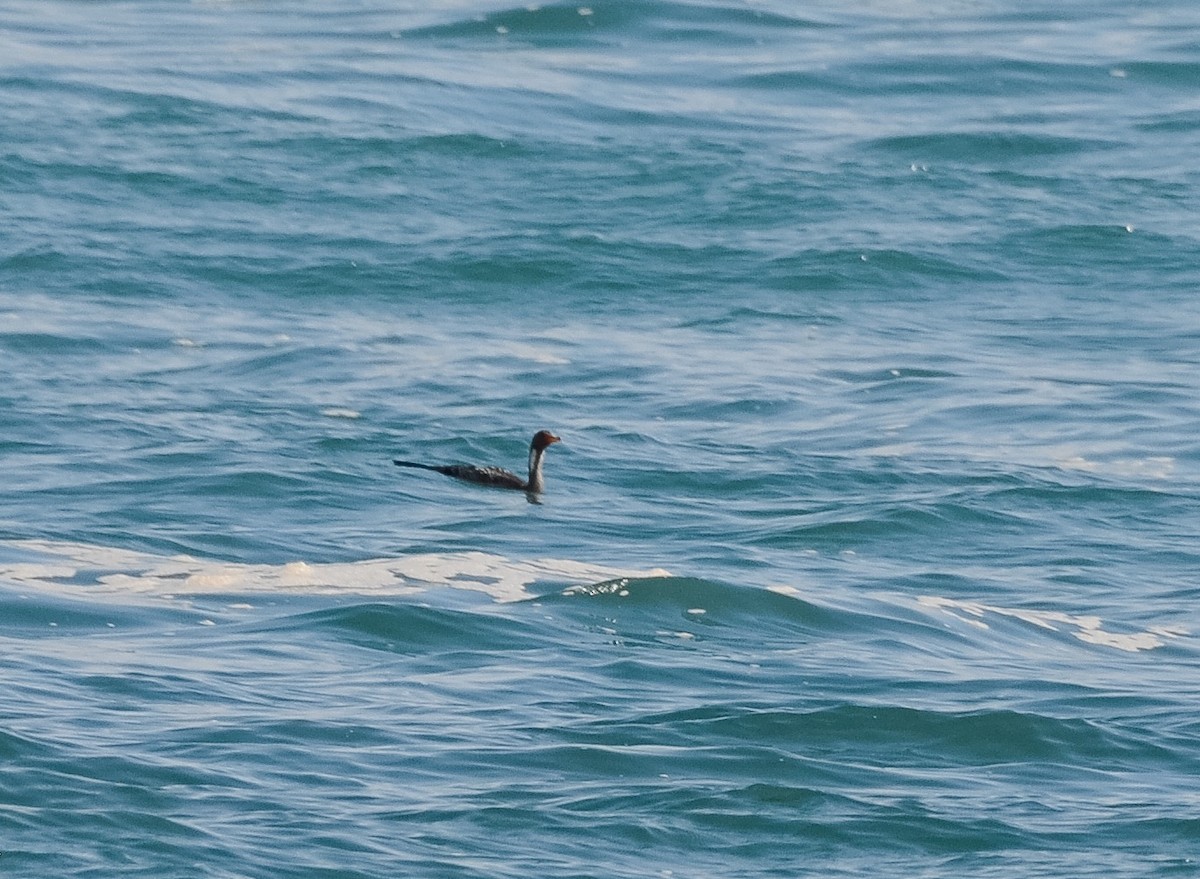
[495, 476]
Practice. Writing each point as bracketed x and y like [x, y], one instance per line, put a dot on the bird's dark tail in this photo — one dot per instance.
[432, 467]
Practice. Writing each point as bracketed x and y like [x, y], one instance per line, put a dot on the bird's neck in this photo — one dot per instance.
[535, 470]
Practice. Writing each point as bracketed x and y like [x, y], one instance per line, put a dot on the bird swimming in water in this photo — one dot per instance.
[498, 477]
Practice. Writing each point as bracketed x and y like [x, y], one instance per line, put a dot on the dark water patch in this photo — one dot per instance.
[1154, 831]
[1177, 122]
[32, 613]
[874, 269]
[511, 268]
[738, 316]
[245, 484]
[1126, 502]
[107, 814]
[802, 81]
[53, 345]
[123, 193]
[391, 153]
[985, 76]
[551, 22]
[133, 782]
[18, 747]
[947, 76]
[985, 147]
[1076, 251]
[130, 111]
[904, 736]
[281, 741]
[416, 629]
[851, 824]
[1173, 74]
[467, 145]
[660, 21]
[117, 110]
[719, 23]
[870, 523]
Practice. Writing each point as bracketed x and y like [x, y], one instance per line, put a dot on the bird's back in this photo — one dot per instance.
[494, 476]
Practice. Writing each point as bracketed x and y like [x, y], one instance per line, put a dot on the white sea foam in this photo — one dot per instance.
[97, 570]
[1088, 628]
[341, 412]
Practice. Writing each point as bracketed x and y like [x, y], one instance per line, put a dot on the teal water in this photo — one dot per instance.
[873, 337]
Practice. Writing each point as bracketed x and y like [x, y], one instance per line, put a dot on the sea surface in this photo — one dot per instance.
[872, 332]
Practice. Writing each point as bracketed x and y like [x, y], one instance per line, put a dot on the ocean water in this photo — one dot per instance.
[872, 332]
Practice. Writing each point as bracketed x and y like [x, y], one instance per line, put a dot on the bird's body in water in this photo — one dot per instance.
[498, 477]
